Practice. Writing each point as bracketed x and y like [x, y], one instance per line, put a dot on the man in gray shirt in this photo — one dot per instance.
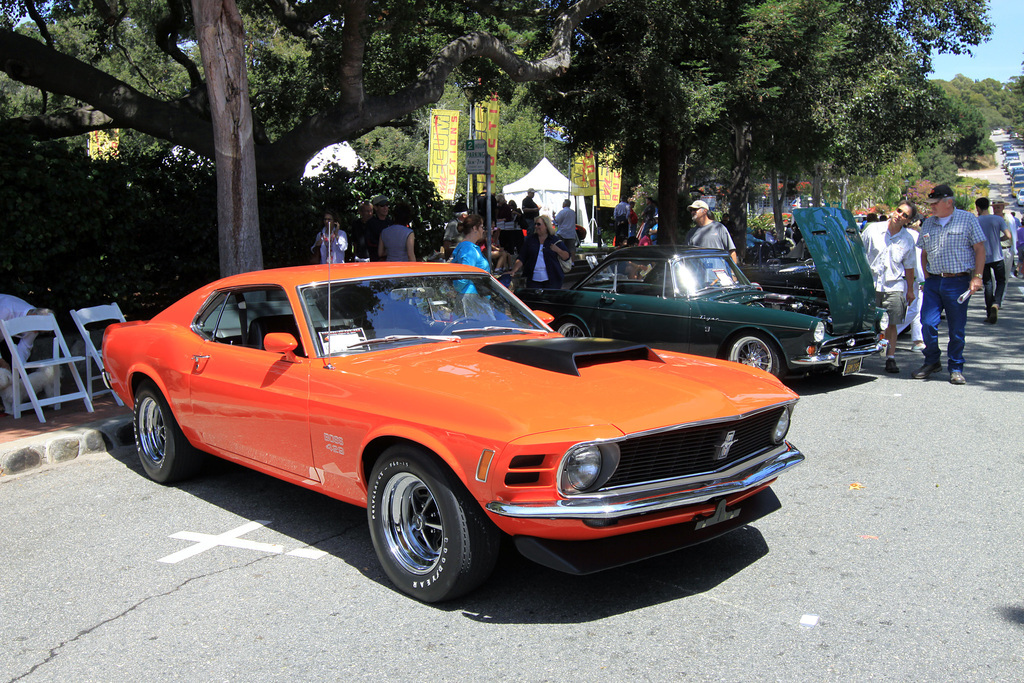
[709, 234]
[994, 275]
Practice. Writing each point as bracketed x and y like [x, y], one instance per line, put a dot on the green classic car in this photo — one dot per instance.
[697, 301]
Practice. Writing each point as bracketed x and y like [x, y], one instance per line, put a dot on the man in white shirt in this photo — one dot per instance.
[12, 307]
[891, 253]
[620, 216]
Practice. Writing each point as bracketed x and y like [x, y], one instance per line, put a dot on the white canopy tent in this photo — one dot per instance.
[551, 189]
[341, 154]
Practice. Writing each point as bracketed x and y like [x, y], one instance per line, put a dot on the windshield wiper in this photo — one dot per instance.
[499, 328]
[403, 337]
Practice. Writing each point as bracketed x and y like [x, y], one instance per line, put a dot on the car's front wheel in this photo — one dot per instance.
[570, 328]
[165, 453]
[757, 351]
[434, 541]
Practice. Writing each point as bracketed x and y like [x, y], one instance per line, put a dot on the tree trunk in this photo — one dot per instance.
[222, 46]
[739, 187]
[668, 186]
[778, 197]
[816, 190]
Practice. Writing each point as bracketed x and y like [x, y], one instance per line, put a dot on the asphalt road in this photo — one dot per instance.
[900, 534]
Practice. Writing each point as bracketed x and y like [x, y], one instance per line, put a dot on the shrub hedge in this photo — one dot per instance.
[141, 230]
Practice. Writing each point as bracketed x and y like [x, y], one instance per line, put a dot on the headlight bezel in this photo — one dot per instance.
[781, 429]
[607, 458]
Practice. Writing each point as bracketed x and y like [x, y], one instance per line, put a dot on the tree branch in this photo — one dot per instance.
[167, 32]
[298, 23]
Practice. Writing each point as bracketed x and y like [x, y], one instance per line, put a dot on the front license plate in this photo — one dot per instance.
[852, 366]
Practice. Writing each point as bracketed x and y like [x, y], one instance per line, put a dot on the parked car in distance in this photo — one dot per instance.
[696, 300]
[433, 397]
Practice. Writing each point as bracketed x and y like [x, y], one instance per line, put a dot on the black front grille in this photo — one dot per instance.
[860, 340]
[689, 451]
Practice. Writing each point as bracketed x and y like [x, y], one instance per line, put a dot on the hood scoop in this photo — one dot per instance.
[567, 355]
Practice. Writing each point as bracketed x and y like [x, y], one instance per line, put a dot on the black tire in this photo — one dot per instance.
[165, 453]
[570, 328]
[756, 350]
[434, 541]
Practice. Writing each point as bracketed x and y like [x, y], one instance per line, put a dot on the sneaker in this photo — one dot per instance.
[926, 369]
[918, 346]
[890, 365]
[957, 377]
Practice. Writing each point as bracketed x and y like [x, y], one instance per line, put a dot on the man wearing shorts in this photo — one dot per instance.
[890, 251]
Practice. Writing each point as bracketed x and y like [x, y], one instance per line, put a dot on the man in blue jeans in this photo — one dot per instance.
[953, 258]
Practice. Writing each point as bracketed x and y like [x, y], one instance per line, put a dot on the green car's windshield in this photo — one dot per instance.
[700, 273]
[359, 316]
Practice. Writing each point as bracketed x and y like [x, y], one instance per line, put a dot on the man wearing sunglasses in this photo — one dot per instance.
[890, 251]
[709, 233]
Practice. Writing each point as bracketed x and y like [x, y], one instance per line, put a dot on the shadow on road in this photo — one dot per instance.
[519, 591]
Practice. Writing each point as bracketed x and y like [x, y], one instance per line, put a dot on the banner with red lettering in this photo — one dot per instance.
[486, 122]
[583, 175]
[443, 159]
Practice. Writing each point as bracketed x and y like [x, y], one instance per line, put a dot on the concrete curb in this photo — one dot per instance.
[63, 445]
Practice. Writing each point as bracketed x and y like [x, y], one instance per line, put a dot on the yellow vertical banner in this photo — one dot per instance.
[610, 180]
[584, 175]
[486, 123]
[103, 144]
[443, 159]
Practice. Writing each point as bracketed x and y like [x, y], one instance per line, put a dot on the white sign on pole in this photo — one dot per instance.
[476, 157]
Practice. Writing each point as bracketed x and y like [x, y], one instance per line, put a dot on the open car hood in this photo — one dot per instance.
[834, 242]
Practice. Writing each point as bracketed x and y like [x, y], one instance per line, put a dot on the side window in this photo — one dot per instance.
[245, 317]
[209, 317]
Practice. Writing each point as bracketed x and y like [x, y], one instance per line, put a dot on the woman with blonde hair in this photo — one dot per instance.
[538, 259]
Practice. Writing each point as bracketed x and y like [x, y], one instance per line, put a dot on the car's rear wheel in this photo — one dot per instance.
[756, 350]
[433, 540]
[165, 453]
[570, 328]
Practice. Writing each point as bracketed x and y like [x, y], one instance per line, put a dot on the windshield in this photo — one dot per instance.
[365, 315]
[699, 273]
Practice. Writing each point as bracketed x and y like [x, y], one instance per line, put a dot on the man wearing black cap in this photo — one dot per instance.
[953, 258]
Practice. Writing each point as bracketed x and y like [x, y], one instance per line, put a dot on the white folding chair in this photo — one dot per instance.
[20, 370]
[83, 317]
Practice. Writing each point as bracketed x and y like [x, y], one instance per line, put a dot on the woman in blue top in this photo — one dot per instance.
[468, 252]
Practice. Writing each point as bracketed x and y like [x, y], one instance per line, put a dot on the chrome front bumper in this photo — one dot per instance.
[608, 506]
[837, 357]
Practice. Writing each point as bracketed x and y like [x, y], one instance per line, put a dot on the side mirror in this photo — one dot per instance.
[283, 343]
[545, 317]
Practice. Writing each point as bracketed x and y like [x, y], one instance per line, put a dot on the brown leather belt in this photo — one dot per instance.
[964, 274]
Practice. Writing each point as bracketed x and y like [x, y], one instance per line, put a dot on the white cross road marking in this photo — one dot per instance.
[204, 542]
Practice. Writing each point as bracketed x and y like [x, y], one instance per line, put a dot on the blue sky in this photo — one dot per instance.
[1000, 58]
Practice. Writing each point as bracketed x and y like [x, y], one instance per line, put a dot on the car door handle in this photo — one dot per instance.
[607, 299]
[196, 359]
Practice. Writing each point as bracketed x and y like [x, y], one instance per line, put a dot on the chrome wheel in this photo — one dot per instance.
[164, 452]
[756, 352]
[412, 523]
[151, 431]
[571, 329]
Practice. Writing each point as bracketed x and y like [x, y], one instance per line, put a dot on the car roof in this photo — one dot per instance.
[665, 251]
[300, 275]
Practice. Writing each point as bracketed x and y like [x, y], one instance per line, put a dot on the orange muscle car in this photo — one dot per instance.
[430, 395]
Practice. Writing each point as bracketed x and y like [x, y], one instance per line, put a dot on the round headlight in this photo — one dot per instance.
[883, 322]
[819, 331]
[582, 467]
[781, 427]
